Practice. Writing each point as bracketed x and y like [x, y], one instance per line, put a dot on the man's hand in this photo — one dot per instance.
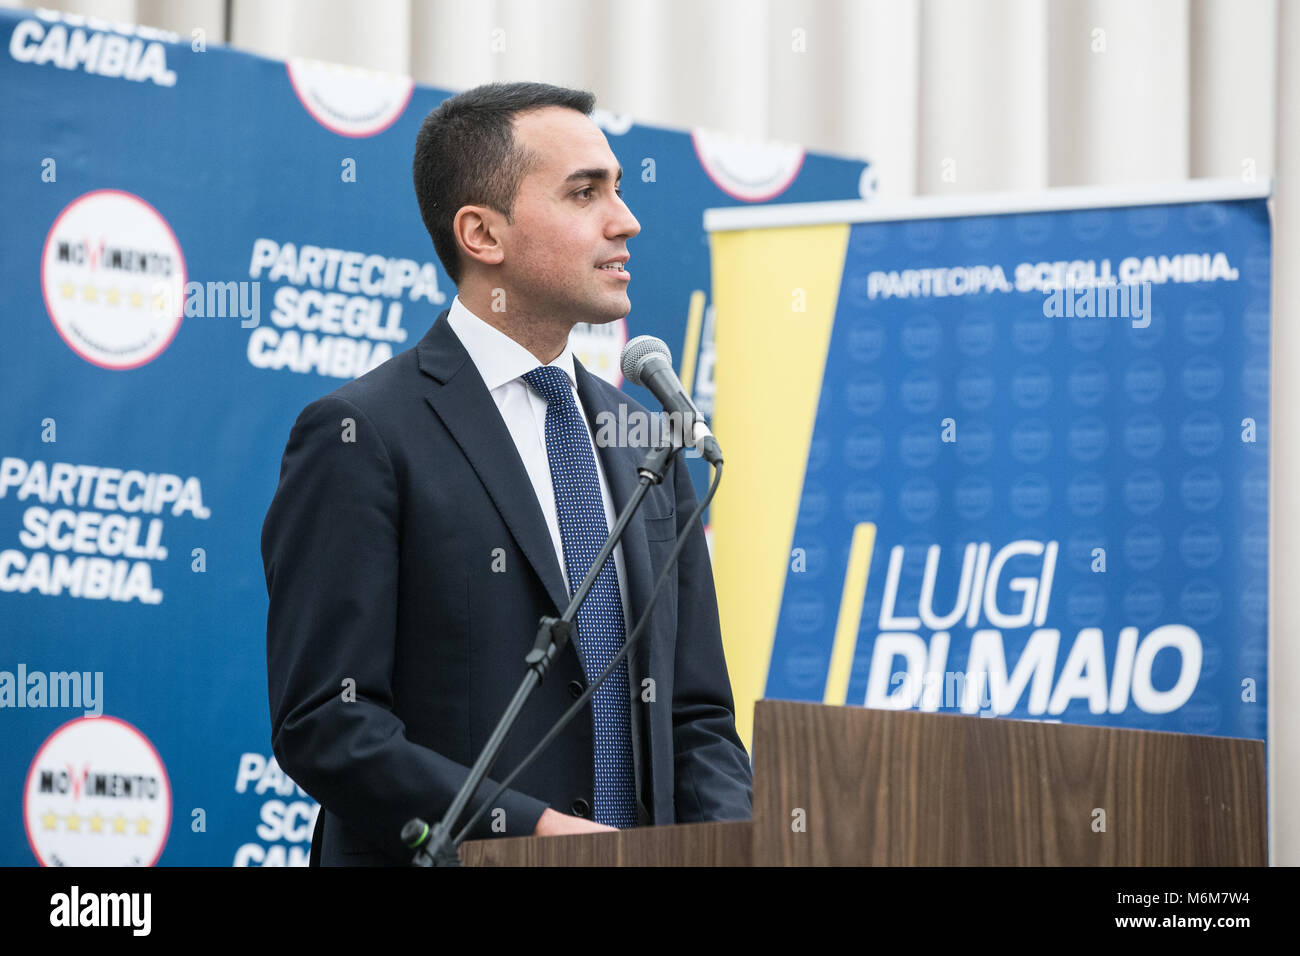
[551, 823]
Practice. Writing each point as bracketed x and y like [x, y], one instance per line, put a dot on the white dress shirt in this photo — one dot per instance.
[501, 362]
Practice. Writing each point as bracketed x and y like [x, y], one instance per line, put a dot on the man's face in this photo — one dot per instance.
[568, 221]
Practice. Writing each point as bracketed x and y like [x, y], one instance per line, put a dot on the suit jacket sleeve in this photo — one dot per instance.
[330, 550]
[712, 776]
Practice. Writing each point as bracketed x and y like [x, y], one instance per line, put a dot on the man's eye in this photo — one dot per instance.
[618, 191]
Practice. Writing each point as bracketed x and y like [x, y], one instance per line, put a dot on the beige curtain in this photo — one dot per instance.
[943, 96]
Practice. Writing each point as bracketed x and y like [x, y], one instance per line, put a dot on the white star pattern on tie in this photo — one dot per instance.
[601, 630]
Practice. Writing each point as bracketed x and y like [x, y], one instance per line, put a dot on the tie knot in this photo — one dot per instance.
[551, 383]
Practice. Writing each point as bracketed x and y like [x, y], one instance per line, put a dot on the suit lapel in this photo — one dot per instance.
[466, 408]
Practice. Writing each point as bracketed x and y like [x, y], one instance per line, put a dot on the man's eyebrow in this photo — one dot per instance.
[599, 175]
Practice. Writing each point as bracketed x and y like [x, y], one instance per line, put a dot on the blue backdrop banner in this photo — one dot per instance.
[198, 243]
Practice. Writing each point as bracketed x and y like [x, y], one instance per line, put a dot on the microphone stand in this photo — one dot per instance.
[436, 847]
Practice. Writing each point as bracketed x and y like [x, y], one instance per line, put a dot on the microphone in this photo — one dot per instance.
[648, 363]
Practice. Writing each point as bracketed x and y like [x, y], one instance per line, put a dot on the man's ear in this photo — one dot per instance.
[477, 234]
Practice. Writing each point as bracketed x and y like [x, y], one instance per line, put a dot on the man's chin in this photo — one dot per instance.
[605, 320]
[605, 313]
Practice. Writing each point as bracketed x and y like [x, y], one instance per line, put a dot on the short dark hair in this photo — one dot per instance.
[465, 154]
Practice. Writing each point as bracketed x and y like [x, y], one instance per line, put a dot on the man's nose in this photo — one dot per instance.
[624, 223]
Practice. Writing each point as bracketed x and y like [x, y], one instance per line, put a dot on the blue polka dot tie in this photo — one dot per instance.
[583, 530]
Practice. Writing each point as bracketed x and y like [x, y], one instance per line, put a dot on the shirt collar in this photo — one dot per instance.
[498, 357]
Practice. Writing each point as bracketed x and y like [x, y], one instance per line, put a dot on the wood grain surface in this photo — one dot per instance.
[684, 844]
[884, 787]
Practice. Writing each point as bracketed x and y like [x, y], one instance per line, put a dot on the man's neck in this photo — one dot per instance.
[545, 337]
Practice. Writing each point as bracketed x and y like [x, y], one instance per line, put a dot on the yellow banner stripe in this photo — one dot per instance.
[775, 292]
[850, 617]
[691, 347]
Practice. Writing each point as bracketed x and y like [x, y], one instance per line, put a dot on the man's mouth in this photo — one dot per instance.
[616, 266]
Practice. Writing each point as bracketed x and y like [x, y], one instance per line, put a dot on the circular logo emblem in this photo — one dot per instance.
[97, 794]
[747, 170]
[348, 100]
[616, 124]
[600, 348]
[113, 278]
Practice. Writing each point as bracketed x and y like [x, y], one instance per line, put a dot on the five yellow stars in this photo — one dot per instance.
[112, 295]
[72, 822]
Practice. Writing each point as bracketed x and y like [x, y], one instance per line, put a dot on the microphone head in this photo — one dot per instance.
[637, 351]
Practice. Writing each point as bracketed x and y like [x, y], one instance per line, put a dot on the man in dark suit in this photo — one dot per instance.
[429, 512]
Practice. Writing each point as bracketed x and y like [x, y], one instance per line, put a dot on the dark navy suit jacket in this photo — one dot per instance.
[379, 555]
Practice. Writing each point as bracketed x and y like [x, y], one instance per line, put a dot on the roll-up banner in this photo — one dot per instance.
[999, 455]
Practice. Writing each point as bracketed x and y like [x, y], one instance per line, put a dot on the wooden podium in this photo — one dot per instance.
[850, 786]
